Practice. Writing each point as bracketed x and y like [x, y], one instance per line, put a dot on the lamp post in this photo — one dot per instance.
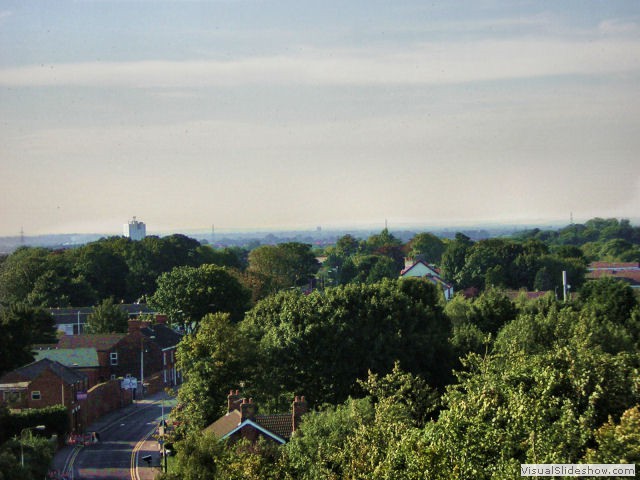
[37, 427]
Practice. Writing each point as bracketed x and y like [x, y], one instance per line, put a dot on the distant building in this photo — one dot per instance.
[135, 230]
[628, 272]
[421, 269]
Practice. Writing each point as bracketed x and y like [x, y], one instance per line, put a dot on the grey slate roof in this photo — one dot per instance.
[71, 357]
[34, 370]
[164, 337]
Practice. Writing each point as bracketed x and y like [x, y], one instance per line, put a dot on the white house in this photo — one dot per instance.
[421, 269]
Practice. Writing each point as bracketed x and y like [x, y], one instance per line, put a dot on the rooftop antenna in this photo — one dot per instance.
[571, 218]
[385, 224]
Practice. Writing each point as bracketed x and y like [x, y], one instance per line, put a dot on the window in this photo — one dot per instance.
[113, 376]
[35, 395]
[12, 397]
[113, 356]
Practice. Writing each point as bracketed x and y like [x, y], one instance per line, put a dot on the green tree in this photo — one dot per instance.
[316, 453]
[319, 344]
[618, 442]
[107, 317]
[214, 360]
[187, 294]
[19, 273]
[426, 246]
[454, 258]
[20, 327]
[287, 264]
[610, 298]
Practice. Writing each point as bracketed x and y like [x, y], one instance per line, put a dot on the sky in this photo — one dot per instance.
[258, 114]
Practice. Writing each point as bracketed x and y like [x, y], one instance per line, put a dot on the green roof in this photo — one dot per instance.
[70, 357]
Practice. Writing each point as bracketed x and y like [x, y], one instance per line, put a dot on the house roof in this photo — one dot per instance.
[419, 262]
[225, 424]
[71, 357]
[33, 370]
[630, 276]
[613, 265]
[101, 342]
[258, 427]
[280, 424]
[165, 337]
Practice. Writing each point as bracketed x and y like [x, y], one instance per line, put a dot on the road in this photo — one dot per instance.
[125, 438]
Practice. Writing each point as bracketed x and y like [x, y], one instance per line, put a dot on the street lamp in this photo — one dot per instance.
[37, 427]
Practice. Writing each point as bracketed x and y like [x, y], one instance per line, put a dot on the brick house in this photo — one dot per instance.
[44, 383]
[119, 354]
[242, 421]
[167, 340]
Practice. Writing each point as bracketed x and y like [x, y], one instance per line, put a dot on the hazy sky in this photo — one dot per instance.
[286, 114]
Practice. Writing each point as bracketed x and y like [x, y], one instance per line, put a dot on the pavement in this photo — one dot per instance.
[67, 454]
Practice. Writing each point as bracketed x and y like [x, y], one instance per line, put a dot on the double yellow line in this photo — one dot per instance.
[134, 454]
[68, 465]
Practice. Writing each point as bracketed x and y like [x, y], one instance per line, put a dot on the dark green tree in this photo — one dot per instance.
[288, 265]
[21, 327]
[107, 317]
[187, 294]
[426, 246]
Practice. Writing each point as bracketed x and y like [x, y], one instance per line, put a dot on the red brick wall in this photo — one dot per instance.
[102, 399]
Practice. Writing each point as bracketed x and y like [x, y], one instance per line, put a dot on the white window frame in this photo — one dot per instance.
[113, 358]
[36, 395]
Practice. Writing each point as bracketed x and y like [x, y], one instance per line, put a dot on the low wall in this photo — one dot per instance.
[104, 398]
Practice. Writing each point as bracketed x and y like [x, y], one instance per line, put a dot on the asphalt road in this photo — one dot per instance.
[125, 438]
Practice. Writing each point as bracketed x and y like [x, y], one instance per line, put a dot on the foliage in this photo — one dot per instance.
[426, 246]
[610, 298]
[187, 294]
[405, 389]
[316, 452]
[20, 327]
[287, 265]
[107, 317]
[214, 359]
[319, 344]
[618, 442]
[38, 453]
[205, 457]
[55, 418]
[111, 267]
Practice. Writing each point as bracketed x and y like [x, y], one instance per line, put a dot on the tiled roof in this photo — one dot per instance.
[35, 369]
[514, 294]
[630, 276]
[225, 424]
[281, 424]
[165, 337]
[101, 342]
[71, 357]
[613, 265]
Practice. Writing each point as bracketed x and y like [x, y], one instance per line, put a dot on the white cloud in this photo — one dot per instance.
[429, 63]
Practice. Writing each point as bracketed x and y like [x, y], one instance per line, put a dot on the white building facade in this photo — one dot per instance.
[135, 230]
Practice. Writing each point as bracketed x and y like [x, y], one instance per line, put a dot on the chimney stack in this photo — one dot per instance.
[233, 401]
[247, 409]
[299, 409]
[135, 325]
